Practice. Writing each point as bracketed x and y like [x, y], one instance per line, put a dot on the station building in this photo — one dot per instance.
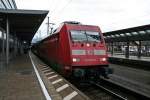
[17, 28]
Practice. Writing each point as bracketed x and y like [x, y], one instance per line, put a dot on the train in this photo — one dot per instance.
[75, 49]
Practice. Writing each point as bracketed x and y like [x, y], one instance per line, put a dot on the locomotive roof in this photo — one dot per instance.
[67, 23]
[71, 22]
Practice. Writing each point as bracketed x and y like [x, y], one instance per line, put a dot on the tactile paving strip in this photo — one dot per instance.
[67, 91]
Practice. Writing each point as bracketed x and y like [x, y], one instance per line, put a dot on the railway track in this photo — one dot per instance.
[126, 92]
[114, 95]
[105, 90]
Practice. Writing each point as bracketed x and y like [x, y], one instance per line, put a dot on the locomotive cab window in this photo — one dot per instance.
[87, 36]
[93, 36]
[78, 36]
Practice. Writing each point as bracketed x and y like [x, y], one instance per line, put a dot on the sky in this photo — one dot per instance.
[109, 15]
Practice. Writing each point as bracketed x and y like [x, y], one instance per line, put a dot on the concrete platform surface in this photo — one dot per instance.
[135, 79]
[57, 86]
[18, 81]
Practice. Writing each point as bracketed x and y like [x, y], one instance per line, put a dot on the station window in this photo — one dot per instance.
[1, 5]
[7, 4]
[12, 4]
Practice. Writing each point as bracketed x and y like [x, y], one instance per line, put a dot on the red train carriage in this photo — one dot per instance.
[76, 49]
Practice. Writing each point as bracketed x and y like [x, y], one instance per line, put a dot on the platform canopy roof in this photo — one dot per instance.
[139, 33]
[22, 23]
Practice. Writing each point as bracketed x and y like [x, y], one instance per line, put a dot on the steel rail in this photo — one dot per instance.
[109, 91]
[128, 90]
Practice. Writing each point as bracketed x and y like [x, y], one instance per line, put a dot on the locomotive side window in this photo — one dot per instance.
[89, 36]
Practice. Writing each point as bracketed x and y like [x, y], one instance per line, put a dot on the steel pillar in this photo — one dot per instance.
[112, 48]
[16, 46]
[146, 49]
[7, 41]
[139, 50]
[3, 44]
[127, 50]
[21, 48]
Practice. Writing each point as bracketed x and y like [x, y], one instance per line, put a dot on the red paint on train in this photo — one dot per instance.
[75, 47]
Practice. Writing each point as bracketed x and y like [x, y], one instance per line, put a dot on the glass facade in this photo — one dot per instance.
[8, 4]
[1, 5]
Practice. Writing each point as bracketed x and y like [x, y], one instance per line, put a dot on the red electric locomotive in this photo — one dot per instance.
[76, 49]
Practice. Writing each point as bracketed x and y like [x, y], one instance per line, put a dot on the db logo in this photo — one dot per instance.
[89, 52]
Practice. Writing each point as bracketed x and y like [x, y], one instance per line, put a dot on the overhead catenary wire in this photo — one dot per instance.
[54, 6]
[65, 6]
[62, 9]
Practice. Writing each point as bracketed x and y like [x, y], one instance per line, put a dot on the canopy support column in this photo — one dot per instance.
[112, 49]
[7, 41]
[127, 50]
[139, 50]
[3, 44]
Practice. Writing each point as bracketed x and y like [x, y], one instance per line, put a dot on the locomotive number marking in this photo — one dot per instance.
[90, 60]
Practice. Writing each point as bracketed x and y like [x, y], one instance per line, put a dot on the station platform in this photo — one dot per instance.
[134, 61]
[131, 57]
[28, 78]
[18, 80]
[134, 79]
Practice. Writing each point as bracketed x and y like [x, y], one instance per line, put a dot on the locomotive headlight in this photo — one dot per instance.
[75, 59]
[103, 59]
